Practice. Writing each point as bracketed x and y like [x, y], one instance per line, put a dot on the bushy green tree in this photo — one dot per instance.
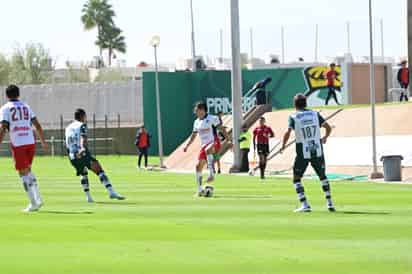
[4, 70]
[30, 65]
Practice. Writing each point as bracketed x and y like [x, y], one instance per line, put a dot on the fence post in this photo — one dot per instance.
[94, 134]
[52, 146]
[62, 135]
[106, 133]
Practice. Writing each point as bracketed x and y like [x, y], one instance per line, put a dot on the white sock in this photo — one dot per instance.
[36, 188]
[28, 186]
[199, 181]
[210, 164]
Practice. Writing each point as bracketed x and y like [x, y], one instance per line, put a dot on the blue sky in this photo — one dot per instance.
[56, 24]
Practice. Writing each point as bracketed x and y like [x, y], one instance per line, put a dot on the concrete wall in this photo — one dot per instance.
[359, 82]
[109, 141]
[112, 99]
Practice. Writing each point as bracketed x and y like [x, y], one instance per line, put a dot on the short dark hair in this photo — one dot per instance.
[13, 92]
[300, 101]
[332, 65]
[262, 119]
[79, 114]
[201, 105]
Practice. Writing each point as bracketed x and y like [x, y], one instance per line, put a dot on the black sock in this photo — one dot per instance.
[262, 171]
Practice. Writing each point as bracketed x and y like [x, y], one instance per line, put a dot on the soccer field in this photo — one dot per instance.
[249, 227]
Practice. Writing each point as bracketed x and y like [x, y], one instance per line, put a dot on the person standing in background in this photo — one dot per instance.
[403, 79]
[143, 144]
[261, 136]
[331, 77]
[261, 93]
[245, 139]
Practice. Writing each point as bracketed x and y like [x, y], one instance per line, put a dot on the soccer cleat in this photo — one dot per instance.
[331, 208]
[210, 179]
[32, 208]
[303, 209]
[116, 196]
[199, 194]
[219, 171]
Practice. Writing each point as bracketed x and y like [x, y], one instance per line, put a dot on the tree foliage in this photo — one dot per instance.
[4, 70]
[29, 65]
[112, 40]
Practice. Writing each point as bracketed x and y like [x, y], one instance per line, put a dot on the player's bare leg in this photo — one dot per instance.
[210, 151]
[199, 169]
[219, 167]
[98, 170]
[31, 188]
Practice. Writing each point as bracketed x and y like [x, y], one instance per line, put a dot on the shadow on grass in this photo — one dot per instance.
[116, 203]
[242, 197]
[363, 213]
[66, 212]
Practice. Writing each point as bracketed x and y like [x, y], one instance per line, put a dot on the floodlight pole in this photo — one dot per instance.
[409, 30]
[282, 38]
[382, 42]
[316, 42]
[192, 20]
[236, 82]
[375, 174]
[159, 117]
[251, 46]
[221, 45]
[348, 37]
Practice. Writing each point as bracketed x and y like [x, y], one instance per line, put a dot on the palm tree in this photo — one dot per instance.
[96, 14]
[111, 39]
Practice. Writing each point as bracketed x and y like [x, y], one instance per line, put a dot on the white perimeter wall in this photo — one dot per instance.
[51, 101]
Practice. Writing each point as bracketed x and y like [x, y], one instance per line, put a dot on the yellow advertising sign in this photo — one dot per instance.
[316, 78]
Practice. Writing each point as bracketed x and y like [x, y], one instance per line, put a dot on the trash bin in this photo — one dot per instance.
[392, 168]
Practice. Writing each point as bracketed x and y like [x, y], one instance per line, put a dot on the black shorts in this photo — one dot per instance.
[81, 165]
[143, 150]
[263, 149]
[301, 164]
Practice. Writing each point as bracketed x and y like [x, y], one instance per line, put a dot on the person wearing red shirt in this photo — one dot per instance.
[403, 79]
[143, 144]
[331, 77]
[261, 136]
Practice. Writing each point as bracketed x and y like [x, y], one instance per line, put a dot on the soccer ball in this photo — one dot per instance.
[208, 191]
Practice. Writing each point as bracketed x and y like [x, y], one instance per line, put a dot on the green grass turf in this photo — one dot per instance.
[248, 227]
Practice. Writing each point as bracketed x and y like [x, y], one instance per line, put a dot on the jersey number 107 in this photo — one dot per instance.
[309, 132]
[19, 113]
